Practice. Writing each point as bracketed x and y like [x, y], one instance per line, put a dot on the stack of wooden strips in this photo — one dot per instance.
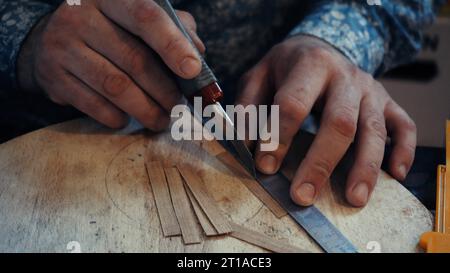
[186, 209]
[213, 148]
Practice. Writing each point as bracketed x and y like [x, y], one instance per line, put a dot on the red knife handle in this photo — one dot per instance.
[210, 94]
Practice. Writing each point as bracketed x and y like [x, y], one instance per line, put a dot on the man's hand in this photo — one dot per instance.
[104, 58]
[304, 72]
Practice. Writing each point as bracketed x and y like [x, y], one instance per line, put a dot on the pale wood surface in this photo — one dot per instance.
[78, 181]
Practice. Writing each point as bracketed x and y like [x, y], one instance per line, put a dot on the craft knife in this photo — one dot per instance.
[206, 86]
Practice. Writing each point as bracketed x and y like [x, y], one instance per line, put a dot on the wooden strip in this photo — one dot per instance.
[207, 227]
[189, 229]
[208, 205]
[228, 160]
[213, 148]
[261, 240]
[166, 212]
[233, 164]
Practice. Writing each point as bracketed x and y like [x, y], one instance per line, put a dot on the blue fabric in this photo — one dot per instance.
[16, 20]
[375, 38]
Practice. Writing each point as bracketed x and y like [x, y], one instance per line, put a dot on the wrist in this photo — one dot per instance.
[320, 48]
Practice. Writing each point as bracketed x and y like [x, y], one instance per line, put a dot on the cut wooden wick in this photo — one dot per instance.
[233, 165]
[261, 240]
[190, 230]
[166, 212]
[207, 227]
[207, 204]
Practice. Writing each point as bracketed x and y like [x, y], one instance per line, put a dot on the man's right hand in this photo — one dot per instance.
[104, 58]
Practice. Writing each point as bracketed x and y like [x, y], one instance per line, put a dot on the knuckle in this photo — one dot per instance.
[377, 126]
[353, 72]
[367, 77]
[409, 147]
[378, 85]
[114, 85]
[350, 73]
[133, 59]
[145, 13]
[410, 125]
[64, 16]
[54, 44]
[173, 46]
[51, 41]
[366, 81]
[321, 168]
[405, 121]
[92, 22]
[344, 123]
[319, 53]
[291, 107]
[371, 170]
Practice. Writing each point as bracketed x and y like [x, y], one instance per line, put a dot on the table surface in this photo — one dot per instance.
[80, 184]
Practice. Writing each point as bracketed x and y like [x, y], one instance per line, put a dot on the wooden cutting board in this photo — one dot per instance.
[80, 186]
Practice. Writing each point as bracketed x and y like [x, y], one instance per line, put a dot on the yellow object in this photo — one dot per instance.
[439, 240]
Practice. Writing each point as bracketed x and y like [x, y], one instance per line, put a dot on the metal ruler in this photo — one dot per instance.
[321, 230]
[309, 218]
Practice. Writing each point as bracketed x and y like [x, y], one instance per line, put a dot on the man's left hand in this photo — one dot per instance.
[305, 73]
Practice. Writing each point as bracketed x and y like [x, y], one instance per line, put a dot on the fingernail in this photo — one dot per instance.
[402, 171]
[268, 164]
[190, 67]
[360, 194]
[306, 194]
